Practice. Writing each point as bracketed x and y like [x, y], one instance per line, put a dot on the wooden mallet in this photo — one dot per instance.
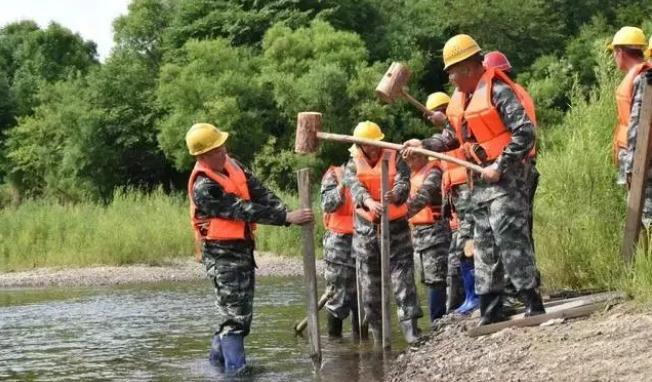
[309, 134]
[394, 85]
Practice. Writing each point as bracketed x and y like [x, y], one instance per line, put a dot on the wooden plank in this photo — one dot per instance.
[310, 270]
[299, 327]
[386, 282]
[636, 196]
[575, 308]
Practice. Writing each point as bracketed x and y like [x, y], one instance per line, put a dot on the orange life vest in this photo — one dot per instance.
[340, 220]
[430, 213]
[454, 174]
[370, 177]
[216, 228]
[484, 125]
[624, 103]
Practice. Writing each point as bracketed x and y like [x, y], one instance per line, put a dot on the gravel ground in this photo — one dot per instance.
[607, 346]
[182, 270]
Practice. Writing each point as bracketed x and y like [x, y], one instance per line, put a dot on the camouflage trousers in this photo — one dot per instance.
[502, 241]
[431, 244]
[339, 274]
[461, 200]
[231, 270]
[366, 249]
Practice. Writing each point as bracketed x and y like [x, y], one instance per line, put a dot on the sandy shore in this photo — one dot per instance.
[607, 346]
[181, 270]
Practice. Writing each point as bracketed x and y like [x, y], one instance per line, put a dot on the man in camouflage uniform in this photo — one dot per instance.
[339, 272]
[366, 237]
[431, 235]
[487, 105]
[628, 47]
[457, 206]
[225, 200]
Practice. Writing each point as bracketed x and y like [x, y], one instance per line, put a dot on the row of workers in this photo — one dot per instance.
[489, 119]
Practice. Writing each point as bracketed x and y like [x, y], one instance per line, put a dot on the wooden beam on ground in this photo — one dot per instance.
[310, 270]
[642, 155]
[386, 281]
[575, 308]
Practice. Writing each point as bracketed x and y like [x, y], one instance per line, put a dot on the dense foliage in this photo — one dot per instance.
[75, 128]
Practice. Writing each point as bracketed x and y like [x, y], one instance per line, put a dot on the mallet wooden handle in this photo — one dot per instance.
[414, 102]
[396, 146]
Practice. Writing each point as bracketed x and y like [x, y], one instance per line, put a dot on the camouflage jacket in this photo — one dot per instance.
[426, 236]
[359, 193]
[264, 207]
[626, 158]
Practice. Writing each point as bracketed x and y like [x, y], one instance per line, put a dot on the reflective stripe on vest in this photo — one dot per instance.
[370, 179]
[484, 125]
[624, 95]
[235, 183]
[340, 220]
[428, 214]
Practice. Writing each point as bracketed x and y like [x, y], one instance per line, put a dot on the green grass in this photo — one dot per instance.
[136, 227]
[579, 210]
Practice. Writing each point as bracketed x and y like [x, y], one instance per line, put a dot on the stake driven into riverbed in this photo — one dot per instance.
[386, 282]
[309, 270]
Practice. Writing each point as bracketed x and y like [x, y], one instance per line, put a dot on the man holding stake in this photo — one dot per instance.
[225, 202]
[363, 176]
[628, 46]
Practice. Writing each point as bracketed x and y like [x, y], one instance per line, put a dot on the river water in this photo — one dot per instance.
[161, 332]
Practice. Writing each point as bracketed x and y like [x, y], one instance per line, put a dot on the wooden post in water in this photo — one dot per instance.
[363, 327]
[309, 270]
[636, 196]
[386, 282]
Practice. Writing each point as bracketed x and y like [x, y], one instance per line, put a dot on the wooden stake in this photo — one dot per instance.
[363, 326]
[636, 197]
[309, 270]
[386, 282]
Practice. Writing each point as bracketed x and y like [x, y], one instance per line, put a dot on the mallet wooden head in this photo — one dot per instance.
[391, 85]
[308, 125]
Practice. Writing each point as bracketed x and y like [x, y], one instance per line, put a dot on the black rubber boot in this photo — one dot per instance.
[377, 335]
[334, 326]
[455, 293]
[491, 308]
[533, 303]
[355, 324]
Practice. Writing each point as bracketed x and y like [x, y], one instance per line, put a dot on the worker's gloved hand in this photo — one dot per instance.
[300, 216]
[374, 206]
[409, 145]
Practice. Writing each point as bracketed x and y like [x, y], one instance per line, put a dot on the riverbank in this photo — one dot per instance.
[607, 346]
[176, 270]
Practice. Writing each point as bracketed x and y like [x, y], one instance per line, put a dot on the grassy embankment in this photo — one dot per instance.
[134, 228]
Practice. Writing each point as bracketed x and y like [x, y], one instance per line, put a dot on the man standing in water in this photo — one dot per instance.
[363, 177]
[225, 202]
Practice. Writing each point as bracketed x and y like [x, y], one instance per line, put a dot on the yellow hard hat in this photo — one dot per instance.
[368, 130]
[204, 137]
[629, 36]
[458, 48]
[436, 100]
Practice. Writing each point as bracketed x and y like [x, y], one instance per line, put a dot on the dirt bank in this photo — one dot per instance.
[181, 270]
[609, 346]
